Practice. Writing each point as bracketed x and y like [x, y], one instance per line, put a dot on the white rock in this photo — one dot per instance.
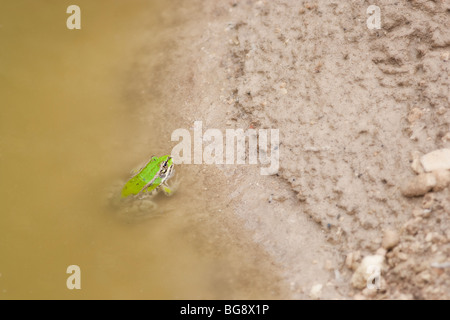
[428, 201]
[446, 137]
[442, 179]
[381, 252]
[316, 291]
[390, 239]
[369, 293]
[366, 270]
[351, 261]
[436, 160]
[416, 166]
[418, 185]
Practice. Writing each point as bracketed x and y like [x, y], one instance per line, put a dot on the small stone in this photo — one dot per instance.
[442, 179]
[441, 111]
[416, 166]
[428, 201]
[369, 293]
[402, 256]
[445, 56]
[419, 185]
[417, 212]
[359, 296]
[365, 270]
[425, 276]
[415, 115]
[412, 226]
[436, 160]
[405, 296]
[391, 238]
[426, 213]
[316, 291]
[279, 198]
[351, 261]
[446, 137]
[381, 252]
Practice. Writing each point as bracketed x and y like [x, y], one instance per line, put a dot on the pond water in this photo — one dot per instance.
[68, 131]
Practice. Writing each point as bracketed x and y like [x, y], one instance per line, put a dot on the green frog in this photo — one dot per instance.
[151, 177]
[136, 197]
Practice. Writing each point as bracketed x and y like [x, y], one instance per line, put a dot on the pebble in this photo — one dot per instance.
[352, 259]
[360, 276]
[359, 296]
[416, 166]
[441, 111]
[415, 115]
[418, 185]
[405, 296]
[436, 160]
[363, 127]
[402, 256]
[316, 291]
[425, 276]
[442, 179]
[369, 293]
[426, 213]
[279, 198]
[428, 201]
[446, 137]
[381, 252]
[391, 238]
[412, 226]
[417, 212]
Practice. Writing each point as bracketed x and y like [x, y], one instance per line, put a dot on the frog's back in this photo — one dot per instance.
[141, 179]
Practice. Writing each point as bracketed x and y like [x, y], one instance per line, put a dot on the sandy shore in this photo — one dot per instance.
[355, 108]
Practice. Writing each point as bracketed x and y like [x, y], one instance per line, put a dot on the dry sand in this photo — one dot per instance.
[355, 108]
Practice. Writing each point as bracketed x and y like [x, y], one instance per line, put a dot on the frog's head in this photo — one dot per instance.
[166, 167]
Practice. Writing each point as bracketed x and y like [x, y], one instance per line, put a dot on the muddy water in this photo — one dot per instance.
[68, 131]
